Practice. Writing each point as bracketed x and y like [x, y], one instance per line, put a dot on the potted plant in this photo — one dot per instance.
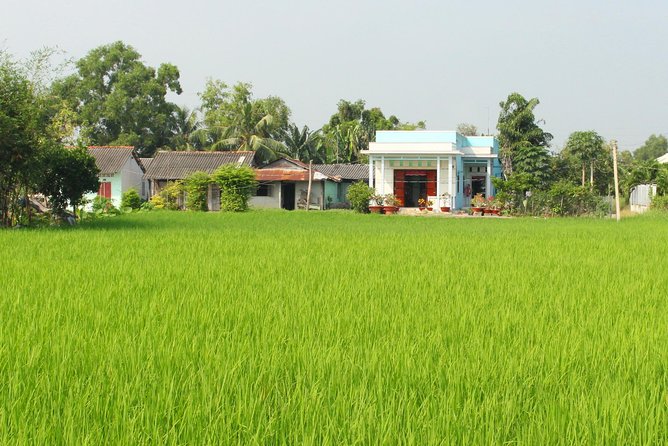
[378, 199]
[493, 206]
[391, 204]
[478, 203]
[445, 202]
[430, 205]
[422, 204]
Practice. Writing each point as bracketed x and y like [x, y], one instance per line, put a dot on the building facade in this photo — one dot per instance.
[428, 164]
[120, 170]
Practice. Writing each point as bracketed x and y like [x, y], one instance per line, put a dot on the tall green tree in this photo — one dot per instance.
[237, 121]
[305, 144]
[588, 148]
[120, 100]
[189, 132]
[654, 147]
[523, 143]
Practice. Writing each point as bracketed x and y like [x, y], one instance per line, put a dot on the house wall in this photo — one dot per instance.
[272, 201]
[301, 188]
[116, 190]
[131, 178]
[386, 185]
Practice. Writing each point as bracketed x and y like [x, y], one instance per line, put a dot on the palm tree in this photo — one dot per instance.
[189, 132]
[245, 134]
[305, 145]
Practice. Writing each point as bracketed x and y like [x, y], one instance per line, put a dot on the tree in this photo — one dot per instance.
[467, 129]
[523, 143]
[67, 174]
[304, 145]
[654, 147]
[19, 137]
[119, 100]
[237, 184]
[189, 132]
[352, 127]
[236, 121]
[587, 147]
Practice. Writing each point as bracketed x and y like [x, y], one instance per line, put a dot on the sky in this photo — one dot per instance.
[594, 64]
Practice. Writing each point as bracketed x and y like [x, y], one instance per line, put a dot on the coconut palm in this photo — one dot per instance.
[244, 133]
[305, 145]
[189, 132]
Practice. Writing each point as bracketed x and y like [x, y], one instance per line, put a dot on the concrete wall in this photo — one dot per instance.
[271, 201]
[116, 190]
[301, 187]
[131, 178]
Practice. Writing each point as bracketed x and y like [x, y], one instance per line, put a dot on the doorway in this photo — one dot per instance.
[478, 186]
[415, 187]
[288, 196]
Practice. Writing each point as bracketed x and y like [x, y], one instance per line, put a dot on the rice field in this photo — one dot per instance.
[331, 328]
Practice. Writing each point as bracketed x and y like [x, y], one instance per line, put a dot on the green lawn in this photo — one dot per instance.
[335, 328]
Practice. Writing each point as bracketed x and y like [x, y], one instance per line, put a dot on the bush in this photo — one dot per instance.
[131, 199]
[102, 204]
[659, 203]
[237, 184]
[196, 186]
[358, 195]
[169, 196]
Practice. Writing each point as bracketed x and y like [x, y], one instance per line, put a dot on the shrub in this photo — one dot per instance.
[358, 195]
[237, 184]
[196, 186]
[102, 204]
[131, 199]
[169, 196]
[659, 203]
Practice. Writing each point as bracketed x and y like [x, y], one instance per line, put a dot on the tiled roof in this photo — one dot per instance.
[286, 169]
[111, 159]
[344, 171]
[168, 165]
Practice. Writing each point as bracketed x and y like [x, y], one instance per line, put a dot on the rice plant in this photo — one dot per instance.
[333, 328]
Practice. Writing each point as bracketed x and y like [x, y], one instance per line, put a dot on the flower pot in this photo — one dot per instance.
[430, 209]
[445, 208]
[492, 211]
[476, 209]
[389, 210]
[421, 208]
[375, 209]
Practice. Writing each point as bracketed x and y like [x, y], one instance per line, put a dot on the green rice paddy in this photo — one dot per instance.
[332, 328]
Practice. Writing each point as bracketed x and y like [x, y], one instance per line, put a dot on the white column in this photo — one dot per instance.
[438, 182]
[370, 171]
[450, 166]
[488, 186]
[382, 175]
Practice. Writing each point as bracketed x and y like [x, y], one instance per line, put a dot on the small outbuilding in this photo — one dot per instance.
[120, 170]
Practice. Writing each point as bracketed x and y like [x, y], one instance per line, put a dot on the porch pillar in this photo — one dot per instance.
[382, 174]
[370, 171]
[488, 186]
[450, 166]
[438, 181]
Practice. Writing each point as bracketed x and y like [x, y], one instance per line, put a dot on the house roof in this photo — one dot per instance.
[146, 162]
[168, 165]
[663, 159]
[344, 171]
[111, 159]
[286, 169]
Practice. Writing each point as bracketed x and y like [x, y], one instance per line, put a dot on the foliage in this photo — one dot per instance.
[131, 199]
[102, 205]
[237, 185]
[305, 145]
[467, 129]
[588, 148]
[654, 147]
[392, 200]
[659, 203]
[478, 201]
[359, 194]
[196, 186]
[189, 132]
[118, 100]
[523, 144]
[379, 199]
[67, 174]
[169, 196]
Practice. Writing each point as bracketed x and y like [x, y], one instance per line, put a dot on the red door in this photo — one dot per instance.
[399, 179]
[104, 190]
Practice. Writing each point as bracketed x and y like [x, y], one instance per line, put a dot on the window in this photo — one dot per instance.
[263, 190]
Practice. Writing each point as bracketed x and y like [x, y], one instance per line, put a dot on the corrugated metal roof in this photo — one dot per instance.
[146, 162]
[344, 171]
[167, 165]
[287, 169]
[111, 159]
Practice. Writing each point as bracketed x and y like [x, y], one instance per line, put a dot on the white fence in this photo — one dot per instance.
[641, 197]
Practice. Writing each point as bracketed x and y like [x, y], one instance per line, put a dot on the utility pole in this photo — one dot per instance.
[614, 166]
[308, 191]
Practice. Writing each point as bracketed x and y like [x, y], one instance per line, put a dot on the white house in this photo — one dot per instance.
[120, 170]
[426, 164]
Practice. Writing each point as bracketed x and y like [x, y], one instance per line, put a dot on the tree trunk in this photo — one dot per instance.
[584, 170]
[591, 176]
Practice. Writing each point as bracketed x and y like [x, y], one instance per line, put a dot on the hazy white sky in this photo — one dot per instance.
[594, 64]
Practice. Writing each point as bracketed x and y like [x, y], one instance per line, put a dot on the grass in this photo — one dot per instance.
[334, 328]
